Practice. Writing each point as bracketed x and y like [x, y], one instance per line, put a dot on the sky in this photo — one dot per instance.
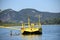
[40, 5]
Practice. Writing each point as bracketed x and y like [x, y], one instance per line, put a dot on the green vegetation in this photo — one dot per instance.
[46, 22]
[9, 24]
[1, 22]
[52, 21]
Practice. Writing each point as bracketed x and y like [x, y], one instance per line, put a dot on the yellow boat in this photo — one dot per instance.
[31, 29]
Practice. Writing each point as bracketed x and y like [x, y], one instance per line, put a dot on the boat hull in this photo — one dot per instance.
[35, 32]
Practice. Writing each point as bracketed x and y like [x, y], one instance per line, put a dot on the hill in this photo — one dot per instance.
[12, 16]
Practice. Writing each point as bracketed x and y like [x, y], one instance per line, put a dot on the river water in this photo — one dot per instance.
[49, 32]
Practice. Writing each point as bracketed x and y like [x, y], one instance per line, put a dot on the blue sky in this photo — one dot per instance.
[41, 5]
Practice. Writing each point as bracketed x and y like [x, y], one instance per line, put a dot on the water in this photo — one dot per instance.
[50, 32]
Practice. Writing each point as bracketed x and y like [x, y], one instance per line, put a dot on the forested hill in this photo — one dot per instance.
[12, 16]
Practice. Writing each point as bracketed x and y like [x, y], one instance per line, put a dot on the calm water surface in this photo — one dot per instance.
[50, 32]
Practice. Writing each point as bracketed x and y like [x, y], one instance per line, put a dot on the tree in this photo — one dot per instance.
[1, 22]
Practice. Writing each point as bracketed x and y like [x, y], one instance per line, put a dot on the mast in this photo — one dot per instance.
[39, 21]
[22, 25]
[28, 21]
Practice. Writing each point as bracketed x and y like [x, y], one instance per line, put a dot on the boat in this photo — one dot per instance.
[31, 29]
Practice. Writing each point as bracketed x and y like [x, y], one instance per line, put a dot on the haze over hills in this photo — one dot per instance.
[10, 15]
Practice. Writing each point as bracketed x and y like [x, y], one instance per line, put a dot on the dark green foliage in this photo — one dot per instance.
[52, 21]
[10, 16]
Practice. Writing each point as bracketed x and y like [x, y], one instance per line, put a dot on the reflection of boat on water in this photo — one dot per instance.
[31, 37]
[31, 29]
